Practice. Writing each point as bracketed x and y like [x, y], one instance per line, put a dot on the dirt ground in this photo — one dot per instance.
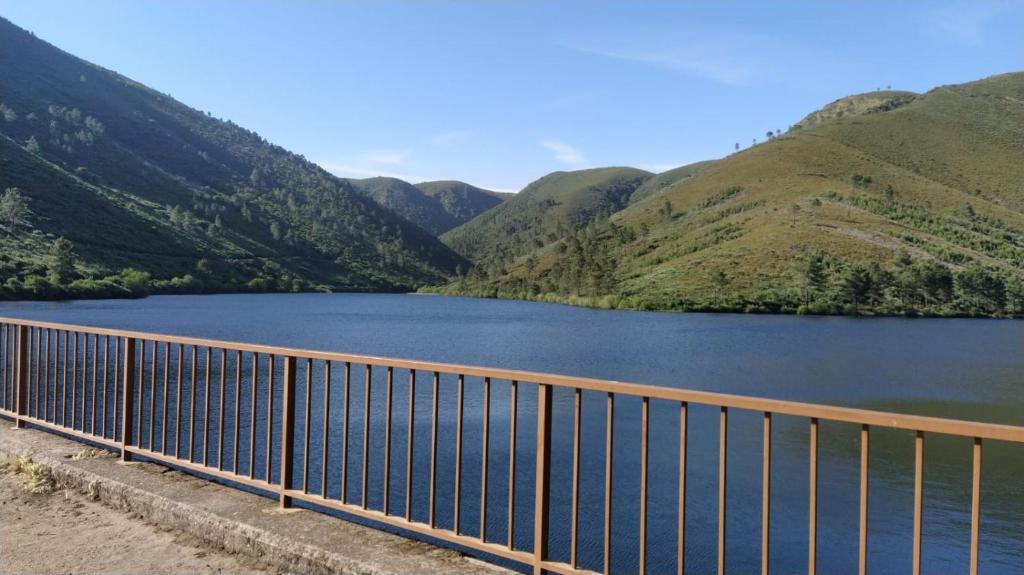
[65, 532]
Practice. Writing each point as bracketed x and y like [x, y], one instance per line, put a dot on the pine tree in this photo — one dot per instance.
[62, 262]
[814, 278]
[14, 210]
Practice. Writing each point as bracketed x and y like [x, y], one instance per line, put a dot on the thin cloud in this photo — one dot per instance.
[724, 56]
[705, 65]
[564, 152]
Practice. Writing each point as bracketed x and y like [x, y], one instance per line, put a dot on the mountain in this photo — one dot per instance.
[409, 202]
[658, 182]
[462, 200]
[858, 105]
[134, 178]
[883, 203]
[544, 212]
[434, 206]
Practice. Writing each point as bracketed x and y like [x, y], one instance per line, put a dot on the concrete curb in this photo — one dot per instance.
[294, 540]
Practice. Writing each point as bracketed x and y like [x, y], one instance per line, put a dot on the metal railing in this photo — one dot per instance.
[245, 413]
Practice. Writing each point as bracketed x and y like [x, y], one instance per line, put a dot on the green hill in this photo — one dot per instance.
[900, 204]
[658, 182]
[135, 178]
[858, 105]
[544, 212]
[434, 206]
[463, 201]
[409, 202]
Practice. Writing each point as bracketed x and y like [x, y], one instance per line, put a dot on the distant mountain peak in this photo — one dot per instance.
[436, 207]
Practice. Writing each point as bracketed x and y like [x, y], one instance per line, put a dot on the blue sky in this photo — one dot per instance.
[499, 93]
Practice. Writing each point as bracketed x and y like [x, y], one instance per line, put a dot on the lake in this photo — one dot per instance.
[969, 369]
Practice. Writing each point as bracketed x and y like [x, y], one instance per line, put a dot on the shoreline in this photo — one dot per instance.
[748, 308]
[610, 303]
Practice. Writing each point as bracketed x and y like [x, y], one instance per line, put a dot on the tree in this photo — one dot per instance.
[979, 290]
[178, 216]
[1015, 294]
[737, 146]
[720, 281]
[769, 134]
[814, 278]
[135, 281]
[61, 268]
[890, 194]
[932, 282]
[859, 181]
[666, 211]
[203, 267]
[7, 114]
[14, 210]
[531, 265]
[856, 286]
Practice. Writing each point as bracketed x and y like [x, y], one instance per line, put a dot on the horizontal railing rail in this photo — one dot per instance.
[283, 420]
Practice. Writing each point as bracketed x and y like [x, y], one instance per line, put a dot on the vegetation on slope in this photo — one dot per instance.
[858, 105]
[544, 212]
[434, 206]
[407, 201]
[658, 182]
[463, 201]
[890, 209]
[135, 179]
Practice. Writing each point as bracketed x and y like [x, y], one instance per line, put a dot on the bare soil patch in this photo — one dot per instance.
[59, 530]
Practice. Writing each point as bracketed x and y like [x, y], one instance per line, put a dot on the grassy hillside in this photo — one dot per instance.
[434, 206]
[858, 105]
[463, 201]
[883, 208]
[658, 182]
[544, 212]
[136, 179]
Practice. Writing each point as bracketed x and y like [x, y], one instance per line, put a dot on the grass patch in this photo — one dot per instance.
[37, 478]
[87, 453]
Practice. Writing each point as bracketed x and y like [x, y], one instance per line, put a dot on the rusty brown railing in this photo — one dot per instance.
[180, 400]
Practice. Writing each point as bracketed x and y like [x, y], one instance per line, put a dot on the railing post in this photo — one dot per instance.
[21, 371]
[287, 430]
[128, 399]
[543, 482]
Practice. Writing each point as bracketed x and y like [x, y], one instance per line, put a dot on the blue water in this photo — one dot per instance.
[956, 368]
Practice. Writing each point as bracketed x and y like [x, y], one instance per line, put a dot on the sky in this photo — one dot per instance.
[499, 93]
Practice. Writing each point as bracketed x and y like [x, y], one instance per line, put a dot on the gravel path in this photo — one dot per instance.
[65, 532]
